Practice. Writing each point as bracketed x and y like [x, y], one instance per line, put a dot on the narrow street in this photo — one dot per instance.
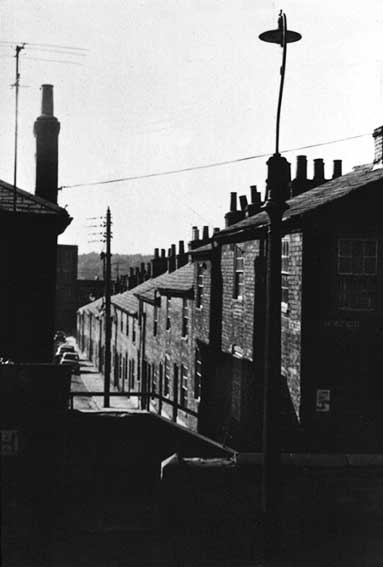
[90, 380]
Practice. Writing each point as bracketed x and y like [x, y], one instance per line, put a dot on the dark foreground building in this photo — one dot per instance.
[29, 227]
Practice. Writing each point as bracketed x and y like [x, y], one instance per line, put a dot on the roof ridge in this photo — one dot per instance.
[33, 197]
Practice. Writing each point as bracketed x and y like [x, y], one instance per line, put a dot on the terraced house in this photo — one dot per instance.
[199, 354]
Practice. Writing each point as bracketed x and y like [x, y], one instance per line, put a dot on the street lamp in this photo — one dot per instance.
[278, 179]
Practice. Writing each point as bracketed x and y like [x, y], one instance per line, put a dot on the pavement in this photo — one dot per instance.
[91, 380]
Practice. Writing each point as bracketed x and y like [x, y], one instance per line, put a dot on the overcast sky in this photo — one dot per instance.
[169, 84]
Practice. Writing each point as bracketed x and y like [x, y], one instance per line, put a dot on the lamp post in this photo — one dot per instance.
[278, 178]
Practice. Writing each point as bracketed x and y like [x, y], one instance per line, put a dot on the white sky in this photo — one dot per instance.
[168, 84]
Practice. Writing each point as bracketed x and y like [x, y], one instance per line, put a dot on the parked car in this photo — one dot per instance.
[66, 347]
[60, 337]
[71, 359]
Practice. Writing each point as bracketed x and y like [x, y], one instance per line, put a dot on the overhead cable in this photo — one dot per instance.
[206, 166]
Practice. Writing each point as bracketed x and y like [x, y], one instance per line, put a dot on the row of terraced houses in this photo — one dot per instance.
[191, 337]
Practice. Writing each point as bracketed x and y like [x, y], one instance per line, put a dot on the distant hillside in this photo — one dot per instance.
[90, 265]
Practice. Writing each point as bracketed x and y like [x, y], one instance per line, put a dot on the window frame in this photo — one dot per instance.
[185, 317]
[285, 273]
[357, 288]
[198, 373]
[239, 273]
[199, 286]
[155, 316]
[168, 307]
[184, 386]
[166, 377]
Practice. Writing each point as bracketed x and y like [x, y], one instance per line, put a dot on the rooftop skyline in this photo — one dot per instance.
[172, 85]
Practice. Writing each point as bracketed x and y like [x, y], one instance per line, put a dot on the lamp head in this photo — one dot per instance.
[276, 36]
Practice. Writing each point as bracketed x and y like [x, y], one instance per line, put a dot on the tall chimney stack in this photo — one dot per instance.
[46, 130]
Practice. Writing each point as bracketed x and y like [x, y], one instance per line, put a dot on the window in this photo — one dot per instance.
[185, 317]
[149, 376]
[197, 374]
[168, 306]
[167, 376]
[122, 322]
[199, 294]
[131, 373]
[134, 330]
[356, 274]
[155, 316]
[238, 273]
[184, 386]
[127, 325]
[285, 273]
[154, 379]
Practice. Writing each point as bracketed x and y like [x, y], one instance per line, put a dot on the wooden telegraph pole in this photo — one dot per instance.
[108, 321]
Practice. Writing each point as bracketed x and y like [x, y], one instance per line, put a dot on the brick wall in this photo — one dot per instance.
[170, 347]
[238, 314]
[291, 348]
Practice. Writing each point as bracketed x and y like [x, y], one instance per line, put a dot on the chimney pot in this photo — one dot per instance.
[243, 202]
[301, 168]
[156, 252]
[47, 100]
[216, 229]
[163, 253]
[318, 169]
[255, 195]
[337, 172]
[205, 233]
[195, 233]
[233, 202]
[181, 247]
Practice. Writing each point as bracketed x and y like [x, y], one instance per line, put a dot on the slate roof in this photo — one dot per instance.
[93, 307]
[313, 199]
[26, 202]
[180, 281]
[201, 250]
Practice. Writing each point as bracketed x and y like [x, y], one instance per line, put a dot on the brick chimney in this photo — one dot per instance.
[243, 203]
[319, 177]
[337, 171]
[182, 257]
[255, 206]
[195, 241]
[46, 130]
[300, 184]
[233, 215]
[172, 258]
[131, 278]
[205, 234]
